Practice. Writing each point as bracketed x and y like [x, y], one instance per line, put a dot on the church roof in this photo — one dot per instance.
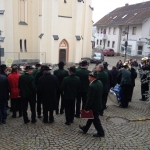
[127, 15]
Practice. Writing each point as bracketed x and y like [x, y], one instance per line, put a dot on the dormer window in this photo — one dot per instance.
[135, 14]
[115, 17]
[124, 16]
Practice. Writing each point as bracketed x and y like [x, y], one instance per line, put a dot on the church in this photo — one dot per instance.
[46, 31]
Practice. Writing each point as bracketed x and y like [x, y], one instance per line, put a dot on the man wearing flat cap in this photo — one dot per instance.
[28, 94]
[47, 89]
[82, 73]
[61, 73]
[94, 103]
[70, 86]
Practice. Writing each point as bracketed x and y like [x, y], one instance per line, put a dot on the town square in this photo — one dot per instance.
[74, 75]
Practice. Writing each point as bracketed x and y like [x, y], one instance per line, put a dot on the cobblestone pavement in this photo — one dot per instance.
[119, 135]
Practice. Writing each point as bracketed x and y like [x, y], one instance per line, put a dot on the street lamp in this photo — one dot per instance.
[126, 42]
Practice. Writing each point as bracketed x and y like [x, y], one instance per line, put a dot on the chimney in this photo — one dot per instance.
[126, 4]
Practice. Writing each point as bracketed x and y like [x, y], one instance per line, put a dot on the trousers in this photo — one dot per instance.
[144, 88]
[16, 104]
[96, 122]
[69, 109]
[81, 96]
[39, 104]
[125, 95]
[32, 101]
[60, 95]
[45, 114]
[3, 112]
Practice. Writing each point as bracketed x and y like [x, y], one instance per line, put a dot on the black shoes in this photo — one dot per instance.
[26, 122]
[51, 121]
[67, 123]
[45, 121]
[20, 116]
[77, 116]
[98, 135]
[39, 116]
[13, 116]
[33, 121]
[4, 121]
[61, 112]
[82, 129]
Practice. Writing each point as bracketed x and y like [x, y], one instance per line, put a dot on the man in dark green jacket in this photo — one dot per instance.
[70, 86]
[82, 73]
[124, 79]
[94, 103]
[28, 93]
[61, 73]
[38, 67]
[103, 77]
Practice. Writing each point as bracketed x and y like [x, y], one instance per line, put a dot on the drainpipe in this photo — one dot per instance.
[119, 41]
[126, 44]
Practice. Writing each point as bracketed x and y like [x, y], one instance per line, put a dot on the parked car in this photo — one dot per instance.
[97, 58]
[108, 52]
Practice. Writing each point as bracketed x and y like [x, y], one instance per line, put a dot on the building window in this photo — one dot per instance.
[108, 44]
[140, 50]
[101, 30]
[23, 12]
[113, 44]
[97, 42]
[25, 45]
[114, 32]
[134, 31]
[100, 42]
[109, 31]
[20, 45]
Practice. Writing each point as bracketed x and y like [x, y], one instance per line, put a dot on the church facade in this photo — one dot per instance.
[47, 31]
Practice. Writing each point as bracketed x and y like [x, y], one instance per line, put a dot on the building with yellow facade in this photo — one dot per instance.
[46, 31]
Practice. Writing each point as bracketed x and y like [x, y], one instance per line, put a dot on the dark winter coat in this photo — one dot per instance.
[3, 89]
[94, 96]
[114, 73]
[47, 87]
[83, 74]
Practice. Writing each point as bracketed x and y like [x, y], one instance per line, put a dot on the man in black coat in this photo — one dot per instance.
[3, 98]
[114, 73]
[47, 88]
[94, 103]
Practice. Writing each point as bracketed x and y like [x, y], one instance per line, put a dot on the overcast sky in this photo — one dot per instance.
[103, 7]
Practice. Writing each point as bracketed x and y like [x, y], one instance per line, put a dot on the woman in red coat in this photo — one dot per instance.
[13, 79]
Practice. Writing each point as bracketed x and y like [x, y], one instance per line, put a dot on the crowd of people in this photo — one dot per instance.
[65, 91]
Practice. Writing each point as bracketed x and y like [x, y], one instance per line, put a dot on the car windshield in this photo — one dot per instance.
[97, 54]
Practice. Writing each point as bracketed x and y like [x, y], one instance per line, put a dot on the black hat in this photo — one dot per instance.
[105, 64]
[3, 67]
[61, 63]
[38, 65]
[28, 68]
[14, 65]
[80, 63]
[84, 63]
[72, 69]
[93, 74]
[45, 68]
